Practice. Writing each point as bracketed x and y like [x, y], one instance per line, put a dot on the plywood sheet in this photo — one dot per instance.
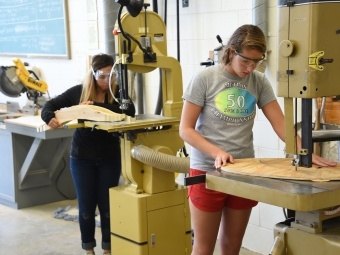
[281, 168]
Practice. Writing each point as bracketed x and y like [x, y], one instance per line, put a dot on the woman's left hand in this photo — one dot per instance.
[322, 162]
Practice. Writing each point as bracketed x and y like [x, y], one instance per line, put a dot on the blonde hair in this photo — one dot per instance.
[246, 36]
[89, 92]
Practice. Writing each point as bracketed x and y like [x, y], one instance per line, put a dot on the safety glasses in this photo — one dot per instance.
[103, 76]
[249, 62]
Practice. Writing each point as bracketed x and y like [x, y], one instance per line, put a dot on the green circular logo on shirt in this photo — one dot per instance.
[235, 102]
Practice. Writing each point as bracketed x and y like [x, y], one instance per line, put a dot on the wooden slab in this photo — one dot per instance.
[88, 112]
[66, 115]
[29, 121]
[281, 168]
[10, 116]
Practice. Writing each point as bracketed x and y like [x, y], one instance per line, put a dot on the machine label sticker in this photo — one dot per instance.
[158, 37]
[235, 105]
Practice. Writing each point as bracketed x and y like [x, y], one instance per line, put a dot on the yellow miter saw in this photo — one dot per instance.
[15, 80]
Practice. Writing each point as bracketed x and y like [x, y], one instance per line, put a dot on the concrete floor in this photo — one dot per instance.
[34, 230]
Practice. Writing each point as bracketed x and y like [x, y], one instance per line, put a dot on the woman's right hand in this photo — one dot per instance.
[222, 158]
[54, 123]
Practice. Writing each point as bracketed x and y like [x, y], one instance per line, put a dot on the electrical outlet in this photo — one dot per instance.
[185, 3]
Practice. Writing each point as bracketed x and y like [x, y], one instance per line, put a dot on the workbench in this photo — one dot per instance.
[34, 166]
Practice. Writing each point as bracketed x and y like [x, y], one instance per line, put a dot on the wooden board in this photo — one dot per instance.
[10, 116]
[281, 168]
[66, 115]
[29, 121]
[87, 112]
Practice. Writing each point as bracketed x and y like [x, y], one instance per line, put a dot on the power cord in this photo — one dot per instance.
[57, 181]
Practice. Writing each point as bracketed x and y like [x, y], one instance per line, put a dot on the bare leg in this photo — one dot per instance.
[205, 226]
[233, 227]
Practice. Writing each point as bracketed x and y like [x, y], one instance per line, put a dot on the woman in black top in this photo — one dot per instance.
[95, 160]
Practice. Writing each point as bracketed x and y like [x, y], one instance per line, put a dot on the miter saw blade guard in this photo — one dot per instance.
[10, 85]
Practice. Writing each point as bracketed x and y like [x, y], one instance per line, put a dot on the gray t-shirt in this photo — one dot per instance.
[228, 111]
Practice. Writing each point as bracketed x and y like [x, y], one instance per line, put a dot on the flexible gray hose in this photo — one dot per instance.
[160, 160]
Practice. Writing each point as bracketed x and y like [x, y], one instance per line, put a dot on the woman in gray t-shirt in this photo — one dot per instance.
[217, 121]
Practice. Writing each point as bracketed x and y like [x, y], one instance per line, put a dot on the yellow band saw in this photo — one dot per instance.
[150, 214]
[308, 67]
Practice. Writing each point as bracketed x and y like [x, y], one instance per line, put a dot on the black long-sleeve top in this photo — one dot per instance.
[86, 144]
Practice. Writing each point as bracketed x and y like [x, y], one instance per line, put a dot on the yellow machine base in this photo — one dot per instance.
[295, 241]
[144, 224]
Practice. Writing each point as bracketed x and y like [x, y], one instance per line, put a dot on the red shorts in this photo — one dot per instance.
[214, 201]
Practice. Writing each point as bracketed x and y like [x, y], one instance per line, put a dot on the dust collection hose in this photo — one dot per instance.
[160, 160]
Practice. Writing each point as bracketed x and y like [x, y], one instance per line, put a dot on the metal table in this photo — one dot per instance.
[294, 195]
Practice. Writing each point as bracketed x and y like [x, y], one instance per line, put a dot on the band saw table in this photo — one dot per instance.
[316, 226]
